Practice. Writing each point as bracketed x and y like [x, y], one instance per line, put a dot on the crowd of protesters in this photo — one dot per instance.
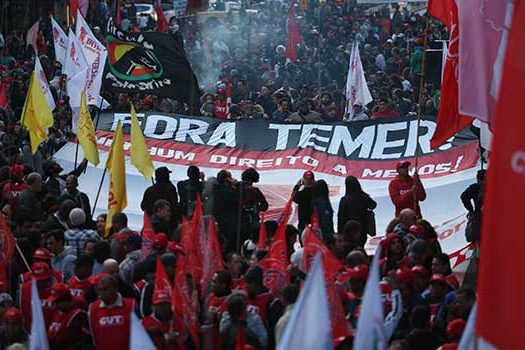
[90, 280]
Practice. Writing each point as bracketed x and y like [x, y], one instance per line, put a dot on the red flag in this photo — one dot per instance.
[196, 242]
[294, 36]
[212, 257]
[263, 234]
[313, 245]
[287, 211]
[8, 242]
[3, 97]
[162, 22]
[501, 263]
[81, 5]
[449, 120]
[228, 98]
[147, 236]
[315, 221]
[162, 280]
[118, 18]
[184, 316]
[275, 264]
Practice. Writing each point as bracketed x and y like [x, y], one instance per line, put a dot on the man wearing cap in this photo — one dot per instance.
[66, 328]
[159, 323]
[79, 283]
[406, 191]
[438, 290]
[304, 197]
[109, 316]
[15, 331]
[42, 255]
[41, 272]
[132, 248]
[77, 236]
[162, 189]
[63, 259]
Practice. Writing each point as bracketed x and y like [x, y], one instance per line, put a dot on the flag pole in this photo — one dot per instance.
[420, 97]
[22, 256]
[98, 192]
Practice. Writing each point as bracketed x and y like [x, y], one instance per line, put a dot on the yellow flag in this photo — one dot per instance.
[86, 133]
[36, 115]
[117, 199]
[140, 156]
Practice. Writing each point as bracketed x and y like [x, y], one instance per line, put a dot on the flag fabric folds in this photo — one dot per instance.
[38, 337]
[357, 92]
[59, 42]
[147, 234]
[504, 187]
[36, 115]
[162, 281]
[212, 257]
[138, 337]
[78, 5]
[86, 134]
[117, 199]
[44, 85]
[162, 22]
[139, 152]
[449, 121]
[75, 90]
[263, 234]
[163, 70]
[309, 326]
[75, 59]
[32, 35]
[4, 101]
[370, 324]
[294, 36]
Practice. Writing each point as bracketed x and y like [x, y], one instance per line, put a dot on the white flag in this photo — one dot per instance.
[95, 54]
[38, 337]
[32, 35]
[44, 85]
[468, 337]
[59, 41]
[75, 60]
[75, 88]
[370, 325]
[357, 92]
[138, 337]
[309, 326]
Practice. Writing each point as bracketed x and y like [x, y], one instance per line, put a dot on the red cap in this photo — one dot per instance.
[420, 270]
[12, 314]
[161, 296]
[160, 241]
[455, 328]
[41, 271]
[402, 164]
[42, 254]
[60, 291]
[94, 279]
[438, 278]
[405, 275]
[360, 272]
[308, 175]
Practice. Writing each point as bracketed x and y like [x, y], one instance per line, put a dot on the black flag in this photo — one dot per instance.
[151, 63]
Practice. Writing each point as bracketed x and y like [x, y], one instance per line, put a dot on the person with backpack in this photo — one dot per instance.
[252, 201]
[189, 189]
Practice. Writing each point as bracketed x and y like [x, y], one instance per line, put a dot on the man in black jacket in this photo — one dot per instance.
[162, 189]
[189, 190]
[473, 194]
[80, 198]
[304, 198]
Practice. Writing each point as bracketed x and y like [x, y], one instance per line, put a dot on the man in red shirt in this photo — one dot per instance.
[109, 316]
[44, 255]
[41, 272]
[385, 111]
[220, 106]
[234, 266]
[69, 322]
[406, 191]
[79, 283]
[260, 299]
[158, 324]
[216, 304]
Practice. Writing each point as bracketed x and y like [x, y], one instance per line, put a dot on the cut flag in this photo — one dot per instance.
[32, 35]
[212, 257]
[309, 326]
[59, 42]
[75, 59]
[6, 249]
[38, 337]
[4, 101]
[162, 22]
[36, 115]
[139, 152]
[138, 337]
[117, 199]
[357, 92]
[44, 85]
[370, 324]
[162, 280]
[86, 134]
[294, 36]
[501, 315]
[449, 121]
[147, 234]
